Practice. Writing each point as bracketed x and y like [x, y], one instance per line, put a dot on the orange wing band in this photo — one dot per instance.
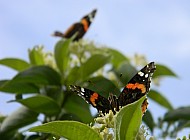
[93, 97]
[85, 24]
[138, 86]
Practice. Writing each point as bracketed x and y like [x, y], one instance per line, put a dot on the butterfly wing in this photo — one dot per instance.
[96, 100]
[138, 86]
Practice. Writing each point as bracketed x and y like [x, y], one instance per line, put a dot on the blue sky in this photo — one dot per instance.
[158, 29]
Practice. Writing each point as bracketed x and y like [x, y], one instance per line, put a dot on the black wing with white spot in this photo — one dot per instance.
[96, 100]
[138, 86]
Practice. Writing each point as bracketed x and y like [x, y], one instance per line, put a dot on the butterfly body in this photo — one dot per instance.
[136, 88]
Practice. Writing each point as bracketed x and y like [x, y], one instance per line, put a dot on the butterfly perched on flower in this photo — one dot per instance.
[136, 88]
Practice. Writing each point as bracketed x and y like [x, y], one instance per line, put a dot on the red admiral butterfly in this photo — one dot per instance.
[79, 28]
[137, 87]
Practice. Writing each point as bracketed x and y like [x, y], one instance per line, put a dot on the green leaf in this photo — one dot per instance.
[41, 75]
[92, 65]
[71, 130]
[41, 104]
[2, 82]
[36, 56]
[17, 120]
[117, 57]
[77, 106]
[160, 99]
[149, 121]
[182, 113]
[103, 86]
[54, 92]
[62, 54]
[128, 120]
[72, 78]
[30, 80]
[10, 86]
[162, 70]
[15, 63]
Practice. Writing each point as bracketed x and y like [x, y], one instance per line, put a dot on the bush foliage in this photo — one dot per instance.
[41, 86]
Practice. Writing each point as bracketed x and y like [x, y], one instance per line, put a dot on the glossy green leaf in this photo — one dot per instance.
[77, 106]
[30, 80]
[162, 70]
[15, 63]
[160, 99]
[149, 121]
[93, 64]
[177, 114]
[117, 57]
[62, 54]
[71, 130]
[41, 104]
[18, 119]
[128, 120]
[41, 75]
[36, 56]
[103, 86]
[10, 86]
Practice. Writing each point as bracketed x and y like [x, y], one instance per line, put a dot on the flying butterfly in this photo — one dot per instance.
[78, 29]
